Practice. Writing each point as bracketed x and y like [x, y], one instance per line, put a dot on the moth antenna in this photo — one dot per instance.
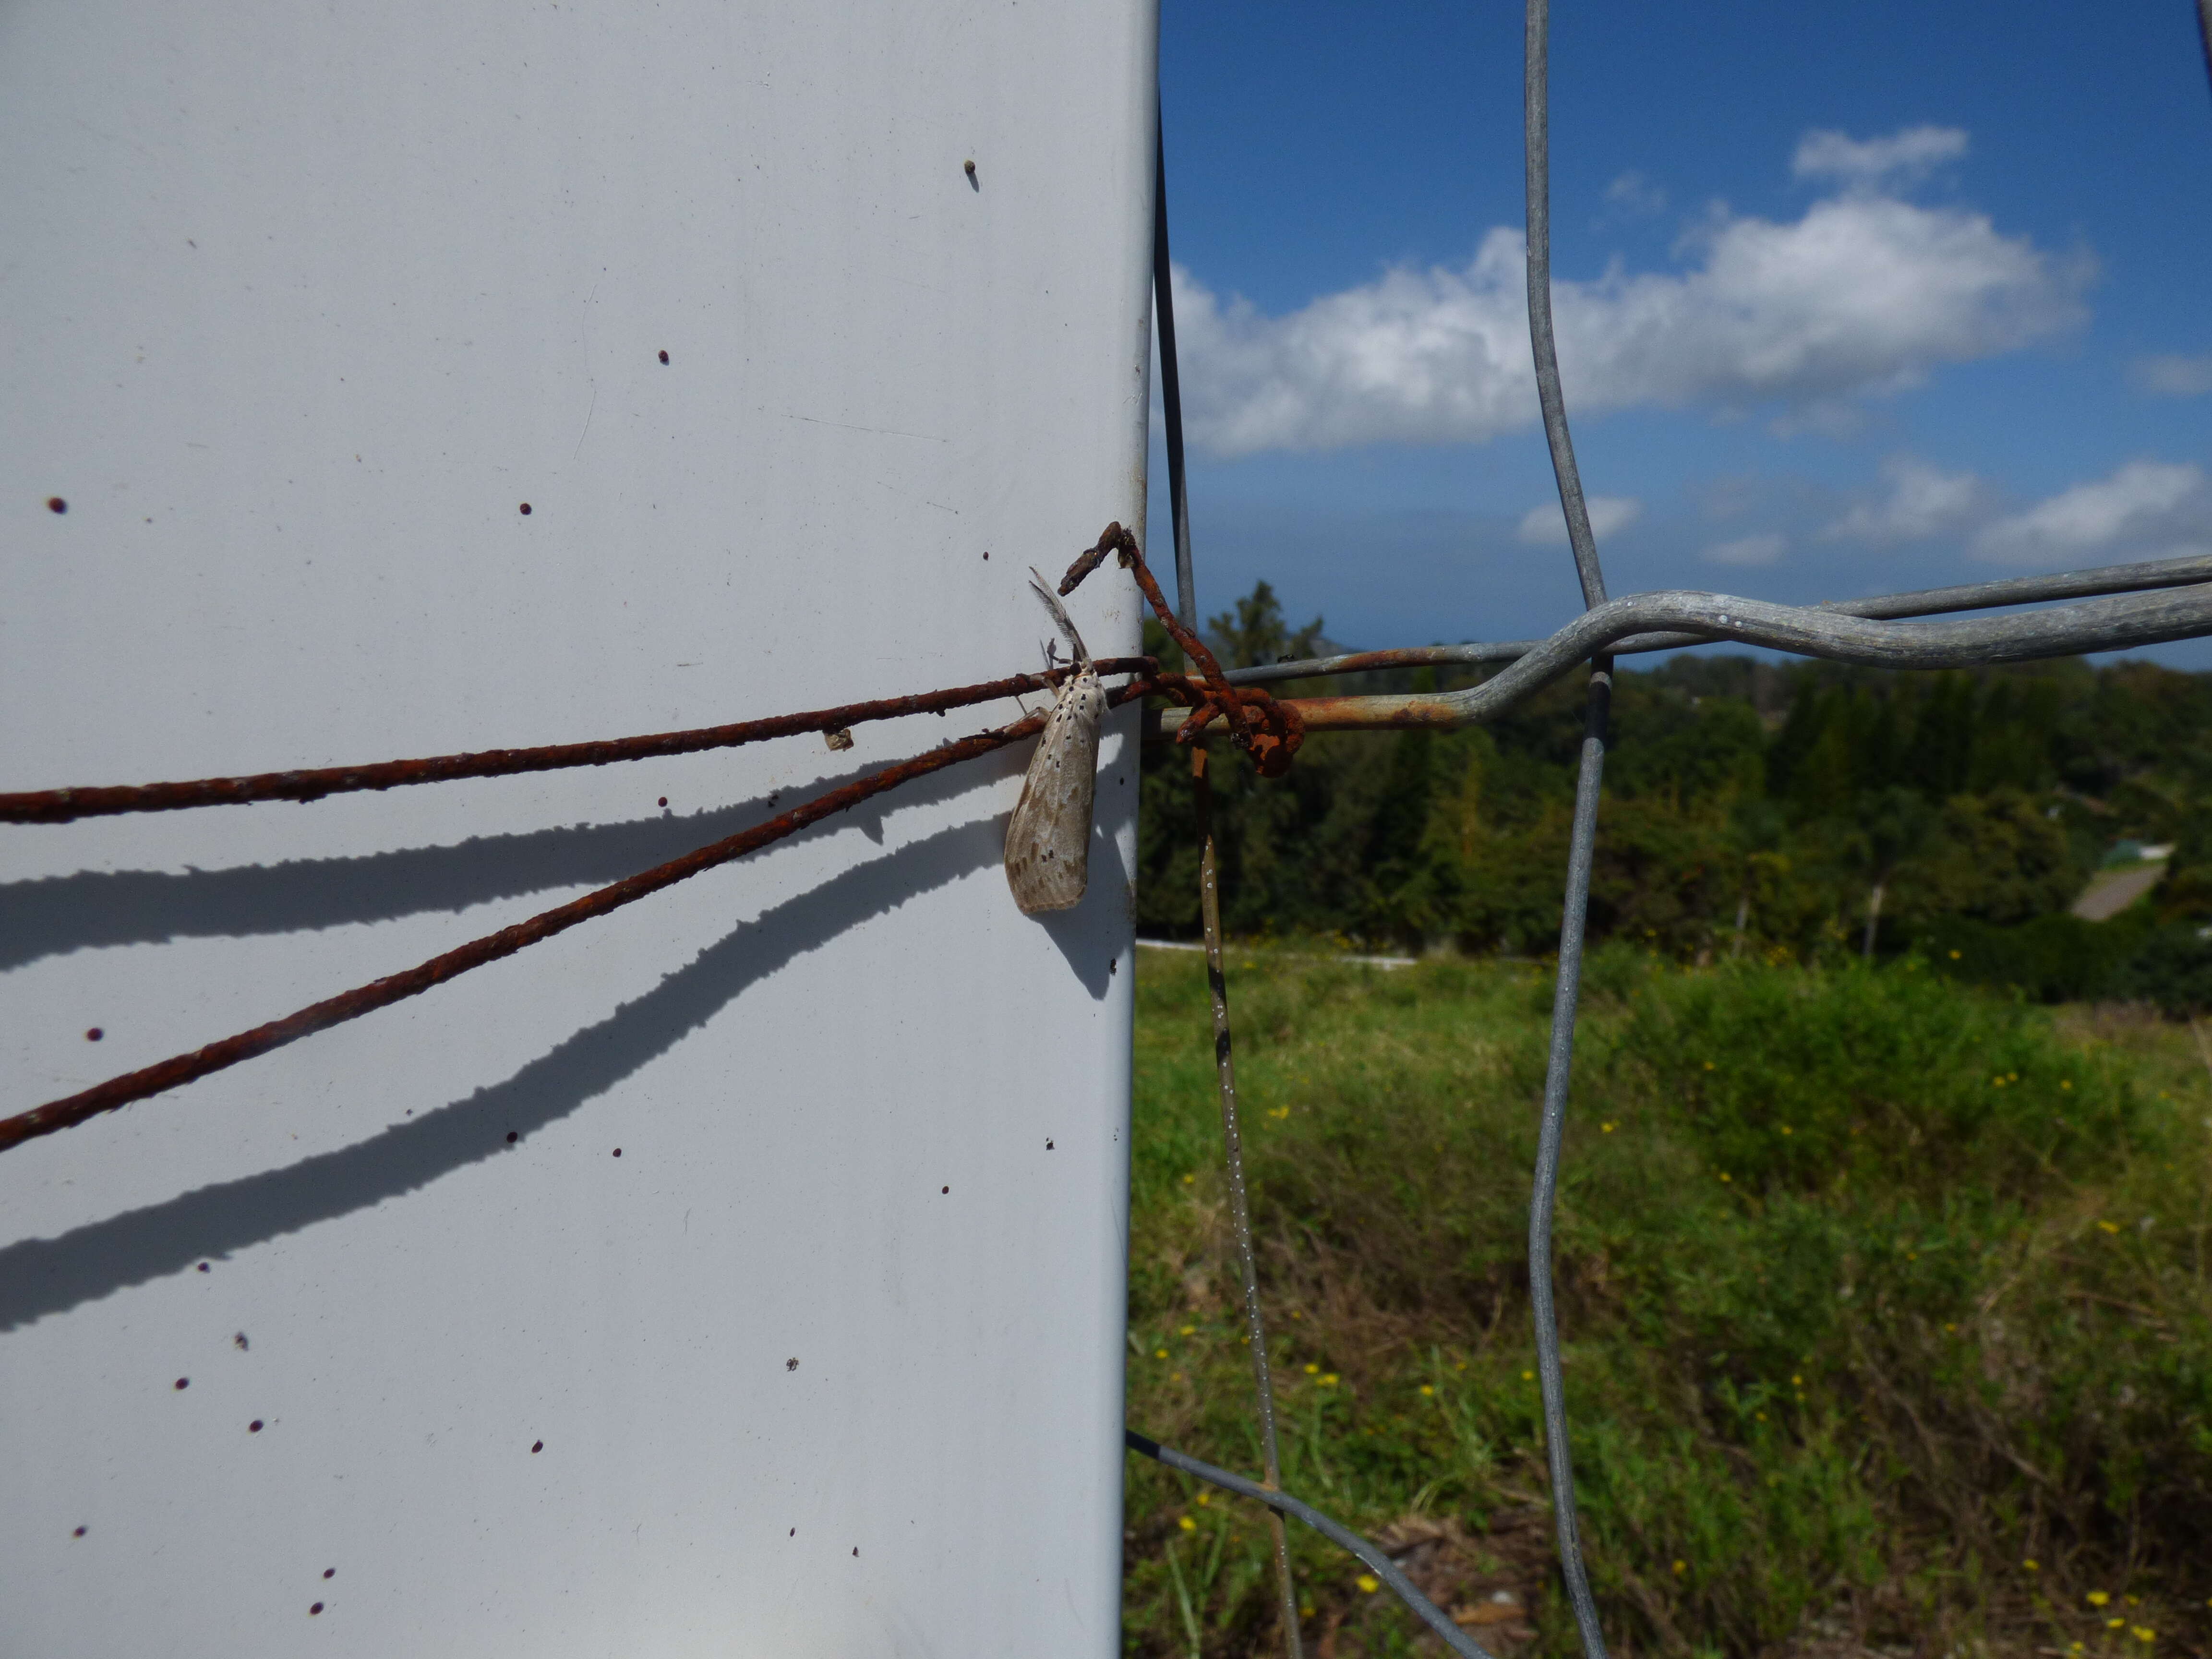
[1059, 616]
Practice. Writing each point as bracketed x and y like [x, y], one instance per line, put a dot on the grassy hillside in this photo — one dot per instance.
[1885, 1304]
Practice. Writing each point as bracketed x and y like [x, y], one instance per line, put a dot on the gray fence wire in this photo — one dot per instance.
[1240, 1214]
[1385, 1569]
[1590, 778]
[2126, 609]
[2183, 571]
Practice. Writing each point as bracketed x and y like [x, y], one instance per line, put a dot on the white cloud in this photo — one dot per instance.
[1547, 526]
[1864, 295]
[2145, 509]
[1864, 163]
[1634, 193]
[2173, 376]
[1762, 549]
[1921, 501]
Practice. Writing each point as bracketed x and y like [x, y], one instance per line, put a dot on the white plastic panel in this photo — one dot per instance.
[298, 305]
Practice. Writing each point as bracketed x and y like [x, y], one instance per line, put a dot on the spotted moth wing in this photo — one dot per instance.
[1048, 839]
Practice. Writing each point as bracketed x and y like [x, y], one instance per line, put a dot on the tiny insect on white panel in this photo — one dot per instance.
[1048, 839]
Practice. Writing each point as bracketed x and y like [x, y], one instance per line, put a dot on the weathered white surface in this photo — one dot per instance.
[298, 304]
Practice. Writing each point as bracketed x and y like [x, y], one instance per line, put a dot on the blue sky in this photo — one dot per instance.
[1848, 301]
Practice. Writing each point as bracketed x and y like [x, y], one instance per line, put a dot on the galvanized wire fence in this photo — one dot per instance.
[1862, 632]
[2121, 606]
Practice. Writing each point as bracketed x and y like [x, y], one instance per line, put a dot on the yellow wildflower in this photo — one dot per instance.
[1367, 1582]
[1187, 1524]
[1425, 1388]
[2098, 1598]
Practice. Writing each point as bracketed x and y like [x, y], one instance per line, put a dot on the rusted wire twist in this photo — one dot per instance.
[1267, 730]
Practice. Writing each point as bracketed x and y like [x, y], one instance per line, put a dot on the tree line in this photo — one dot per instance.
[1787, 809]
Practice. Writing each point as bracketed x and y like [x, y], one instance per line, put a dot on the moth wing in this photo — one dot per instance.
[1048, 838]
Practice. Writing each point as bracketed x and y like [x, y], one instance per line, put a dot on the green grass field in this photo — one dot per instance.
[1885, 1309]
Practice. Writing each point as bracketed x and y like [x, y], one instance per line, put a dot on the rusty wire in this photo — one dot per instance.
[1267, 729]
[116, 1092]
[1272, 738]
[313, 783]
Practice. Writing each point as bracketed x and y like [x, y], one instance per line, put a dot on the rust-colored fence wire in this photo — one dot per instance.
[150, 1080]
[313, 783]
[1252, 719]
[1269, 730]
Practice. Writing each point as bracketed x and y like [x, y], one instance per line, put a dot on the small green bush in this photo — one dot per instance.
[2172, 970]
[2053, 959]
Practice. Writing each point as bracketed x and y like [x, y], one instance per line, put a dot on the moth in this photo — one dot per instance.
[1048, 840]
